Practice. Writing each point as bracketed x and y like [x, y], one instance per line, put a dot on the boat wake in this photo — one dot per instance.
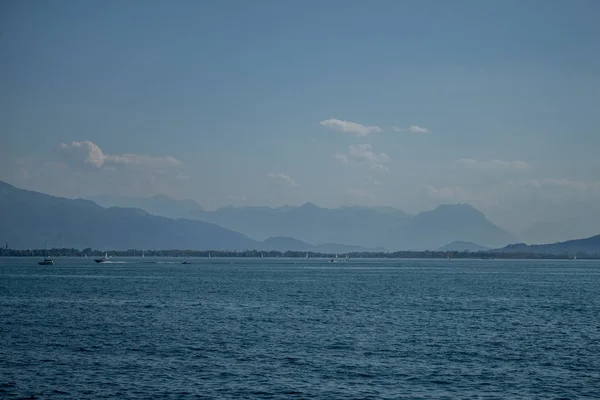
[162, 262]
[113, 262]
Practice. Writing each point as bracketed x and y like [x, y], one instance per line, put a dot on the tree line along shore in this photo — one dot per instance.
[66, 252]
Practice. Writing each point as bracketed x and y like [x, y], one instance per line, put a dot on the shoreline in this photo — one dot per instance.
[481, 255]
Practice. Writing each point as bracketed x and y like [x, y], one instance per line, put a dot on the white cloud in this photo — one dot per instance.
[341, 157]
[83, 152]
[361, 193]
[498, 165]
[563, 183]
[90, 154]
[350, 127]
[374, 181]
[237, 199]
[181, 177]
[363, 153]
[412, 129]
[446, 193]
[282, 179]
[143, 160]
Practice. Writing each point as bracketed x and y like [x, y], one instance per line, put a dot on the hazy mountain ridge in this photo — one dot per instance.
[561, 230]
[460, 245]
[290, 244]
[160, 205]
[31, 219]
[590, 245]
[352, 225]
[445, 224]
[367, 227]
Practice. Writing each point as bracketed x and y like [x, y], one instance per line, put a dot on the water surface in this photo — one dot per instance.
[275, 329]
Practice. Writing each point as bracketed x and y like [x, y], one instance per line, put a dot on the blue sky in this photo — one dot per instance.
[281, 102]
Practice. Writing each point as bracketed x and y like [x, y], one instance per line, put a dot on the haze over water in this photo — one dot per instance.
[233, 328]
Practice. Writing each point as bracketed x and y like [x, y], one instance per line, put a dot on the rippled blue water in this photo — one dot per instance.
[300, 329]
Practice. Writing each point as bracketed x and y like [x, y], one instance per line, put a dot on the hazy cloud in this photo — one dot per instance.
[341, 157]
[374, 181]
[83, 153]
[412, 129]
[350, 127]
[90, 154]
[563, 183]
[364, 153]
[493, 164]
[456, 192]
[361, 193]
[181, 177]
[281, 179]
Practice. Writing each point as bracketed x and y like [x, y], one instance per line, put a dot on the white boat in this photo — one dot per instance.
[47, 261]
[103, 259]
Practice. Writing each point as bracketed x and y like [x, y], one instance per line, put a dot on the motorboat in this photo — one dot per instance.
[104, 259]
[47, 261]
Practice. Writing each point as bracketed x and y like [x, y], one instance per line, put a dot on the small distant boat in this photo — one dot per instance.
[186, 263]
[103, 259]
[47, 261]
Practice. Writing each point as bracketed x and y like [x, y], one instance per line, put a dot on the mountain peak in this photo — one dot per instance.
[465, 207]
[309, 206]
[460, 211]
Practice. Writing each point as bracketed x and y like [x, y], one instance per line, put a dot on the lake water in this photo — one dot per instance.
[276, 329]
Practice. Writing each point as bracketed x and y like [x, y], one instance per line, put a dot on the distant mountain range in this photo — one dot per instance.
[459, 245]
[590, 245]
[290, 244]
[33, 220]
[562, 230]
[157, 205]
[430, 230]
[368, 227]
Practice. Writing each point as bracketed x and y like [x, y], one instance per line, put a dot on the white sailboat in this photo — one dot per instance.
[102, 259]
